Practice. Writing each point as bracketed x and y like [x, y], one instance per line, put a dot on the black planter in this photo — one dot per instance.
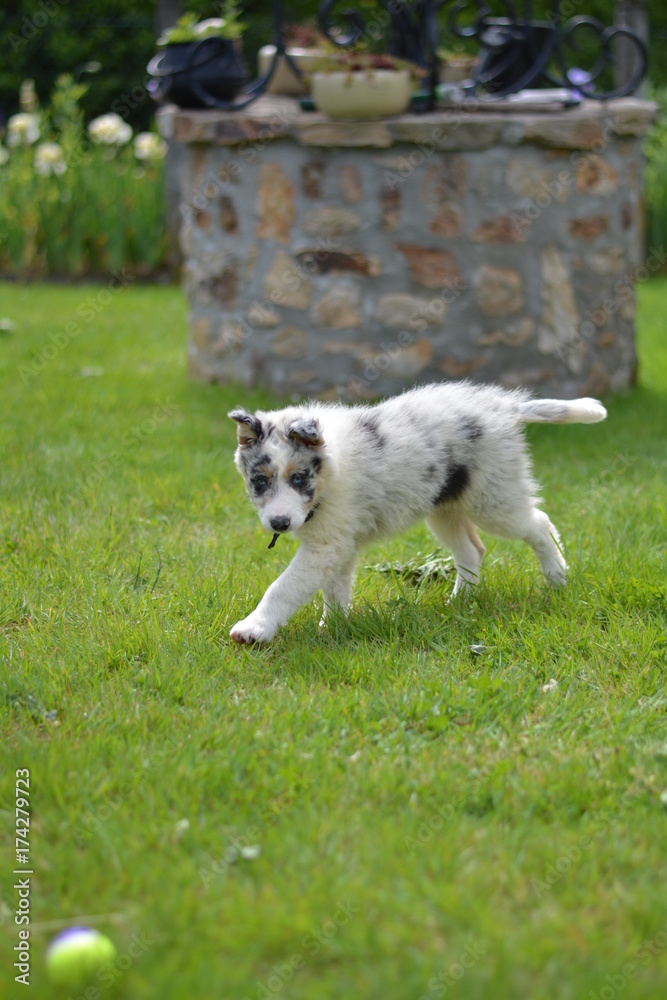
[202, 74]
[514, 54]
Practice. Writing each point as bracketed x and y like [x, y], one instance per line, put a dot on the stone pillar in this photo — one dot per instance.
[354, 259]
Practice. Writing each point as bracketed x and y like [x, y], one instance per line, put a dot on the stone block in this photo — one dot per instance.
[397, 361]
[502, 229]
[338, 308]
[514, 334]
[447, 221]
[606, 262]
[290, 342]
[275, 204]
[559, 326]
[229, 222]
[430, 267]
[262, 316]
[498, 290]
[390, 208]
[203, 220]
[595, 176]
[223, 287]
[410, 360]
[286, 285]
[589, 227]
[528, 178]
[443, 191]
[445, 181]
[320, 261]
[229, 339]
[350, 184]
[460, 367]
[315, 130]
[401, 311]
[329, 221]
[312, 176]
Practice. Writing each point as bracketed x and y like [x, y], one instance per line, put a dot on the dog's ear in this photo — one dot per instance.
[248, 428]
[307, 431]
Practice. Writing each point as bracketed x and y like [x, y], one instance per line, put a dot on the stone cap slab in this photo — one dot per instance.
[473, 125]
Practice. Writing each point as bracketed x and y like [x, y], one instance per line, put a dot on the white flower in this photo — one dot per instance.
[110, 130]
[22, 129]
[4, 156]
[149, 146]
[49, 159]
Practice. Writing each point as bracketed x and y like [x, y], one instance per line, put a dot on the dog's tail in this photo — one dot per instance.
[561, 411]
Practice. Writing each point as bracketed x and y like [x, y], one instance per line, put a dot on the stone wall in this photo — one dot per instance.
[355, 259]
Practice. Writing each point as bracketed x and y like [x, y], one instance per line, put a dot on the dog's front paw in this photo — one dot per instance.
[252, 629]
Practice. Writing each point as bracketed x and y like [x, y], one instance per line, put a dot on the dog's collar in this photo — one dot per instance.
[311, 512]
[277, 534]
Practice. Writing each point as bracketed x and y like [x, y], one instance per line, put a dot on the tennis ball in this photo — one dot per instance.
[73, 957]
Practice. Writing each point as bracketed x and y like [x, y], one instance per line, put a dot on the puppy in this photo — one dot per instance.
[339, 477]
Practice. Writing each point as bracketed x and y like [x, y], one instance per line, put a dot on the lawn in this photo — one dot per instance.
[371, 811]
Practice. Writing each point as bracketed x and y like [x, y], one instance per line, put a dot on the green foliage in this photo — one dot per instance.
[433, 819]
[41, 39]
[91, 210]
[655, 174]
[227, 25]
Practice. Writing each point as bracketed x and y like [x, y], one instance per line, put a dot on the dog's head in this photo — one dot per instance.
[282, 458]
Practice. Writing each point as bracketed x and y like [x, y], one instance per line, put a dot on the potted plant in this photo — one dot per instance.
[362, 85]
[304, 46]
[201, 63]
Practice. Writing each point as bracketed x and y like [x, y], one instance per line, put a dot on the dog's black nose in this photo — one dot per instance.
[280, 523]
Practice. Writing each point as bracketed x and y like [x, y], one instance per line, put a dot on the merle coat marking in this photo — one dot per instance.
[339, 477]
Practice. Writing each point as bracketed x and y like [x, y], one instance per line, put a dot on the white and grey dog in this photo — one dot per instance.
[339, 477]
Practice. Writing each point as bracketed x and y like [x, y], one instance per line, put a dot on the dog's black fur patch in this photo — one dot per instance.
[456, 480]
[473, 429]
[369, 423]
[305, 488]
[253, 462]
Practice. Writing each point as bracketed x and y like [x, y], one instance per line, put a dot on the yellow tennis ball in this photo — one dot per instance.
[73, 957]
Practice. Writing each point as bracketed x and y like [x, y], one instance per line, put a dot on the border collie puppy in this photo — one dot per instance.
[339, 477]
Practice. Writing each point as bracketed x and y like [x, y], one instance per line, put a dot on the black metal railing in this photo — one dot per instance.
[515, 51]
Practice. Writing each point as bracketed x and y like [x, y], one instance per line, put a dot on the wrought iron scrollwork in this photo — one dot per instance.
[516, 51]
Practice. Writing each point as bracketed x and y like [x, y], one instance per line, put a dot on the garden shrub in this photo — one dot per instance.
[78, 202]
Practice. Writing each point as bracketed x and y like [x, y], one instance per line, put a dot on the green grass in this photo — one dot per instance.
[432, 822]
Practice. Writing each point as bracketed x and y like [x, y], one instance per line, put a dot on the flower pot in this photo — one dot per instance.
[284, 80]
[198, 74]
[457, 68]
[362, 94]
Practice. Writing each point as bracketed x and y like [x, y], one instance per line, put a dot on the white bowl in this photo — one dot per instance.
[372, 93]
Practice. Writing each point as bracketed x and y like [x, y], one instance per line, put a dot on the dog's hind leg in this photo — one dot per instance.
[534, 527]
[545, 543]
[458, 534]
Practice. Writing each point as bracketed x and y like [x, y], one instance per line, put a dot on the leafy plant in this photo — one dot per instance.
[189, 28]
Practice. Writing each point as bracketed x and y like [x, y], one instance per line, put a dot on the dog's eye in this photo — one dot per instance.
[260, 483]
[297, 480]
